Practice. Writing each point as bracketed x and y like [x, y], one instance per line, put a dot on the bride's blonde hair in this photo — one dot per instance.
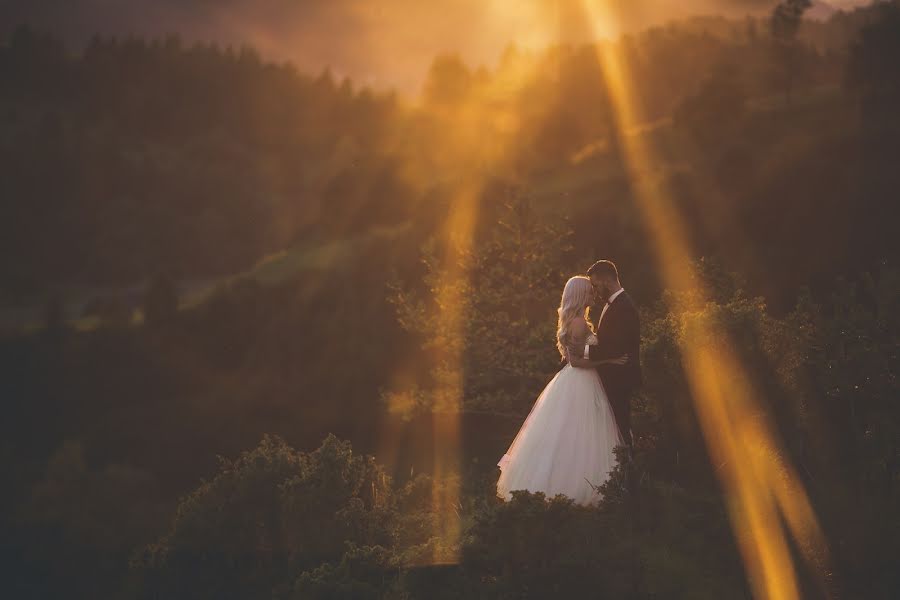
[576, 297]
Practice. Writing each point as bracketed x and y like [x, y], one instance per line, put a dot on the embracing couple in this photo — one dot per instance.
[565, 446]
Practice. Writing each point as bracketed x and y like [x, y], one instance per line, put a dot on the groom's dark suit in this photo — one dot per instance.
[618, 333]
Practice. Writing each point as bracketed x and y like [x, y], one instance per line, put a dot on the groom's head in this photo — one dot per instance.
[605, 279]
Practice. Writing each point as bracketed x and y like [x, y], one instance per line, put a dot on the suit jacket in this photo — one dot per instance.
[619, 333]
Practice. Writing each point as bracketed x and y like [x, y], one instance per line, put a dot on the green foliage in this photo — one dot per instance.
[772, 353]
[788, 198]
[669, 544]
[226, 532]
[510, 282]
[871, 71]
[299, 524]
[83, 519]
[852, 363]
[364, 572]
[320, 524]
[277, 522]
[139, 155]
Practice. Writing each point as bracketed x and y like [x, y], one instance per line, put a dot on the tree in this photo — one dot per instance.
[513, 275]
[290, 524]
[872, 67]
[269, 512]
[785, 22]
[448, 83]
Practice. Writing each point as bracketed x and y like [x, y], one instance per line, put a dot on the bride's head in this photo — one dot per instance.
[576, 297]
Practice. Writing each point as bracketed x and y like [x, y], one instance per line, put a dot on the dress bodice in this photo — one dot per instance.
[578, 345]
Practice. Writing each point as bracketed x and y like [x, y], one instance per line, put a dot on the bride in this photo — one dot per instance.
[566, 443]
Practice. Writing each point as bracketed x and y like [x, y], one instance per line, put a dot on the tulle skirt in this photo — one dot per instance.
[565, 446]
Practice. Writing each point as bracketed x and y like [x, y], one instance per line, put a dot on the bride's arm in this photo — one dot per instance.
[578, 362]
[584, 363]
[574, 353]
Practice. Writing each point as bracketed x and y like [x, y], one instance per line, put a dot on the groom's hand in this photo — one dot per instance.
[622, 360]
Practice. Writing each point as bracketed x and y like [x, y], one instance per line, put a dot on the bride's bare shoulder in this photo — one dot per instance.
[581, 328]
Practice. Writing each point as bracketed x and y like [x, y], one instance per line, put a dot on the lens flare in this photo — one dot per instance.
[767, 504]
[473, 133]
[766, 501]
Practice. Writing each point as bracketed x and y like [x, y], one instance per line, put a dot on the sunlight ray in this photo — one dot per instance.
[474, 136]
[760, 487]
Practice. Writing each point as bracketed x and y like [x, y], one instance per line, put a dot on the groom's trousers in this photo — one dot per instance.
[620, 401]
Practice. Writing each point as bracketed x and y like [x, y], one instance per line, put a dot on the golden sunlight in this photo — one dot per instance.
[474, 132]
[282, 281]
[762, 489]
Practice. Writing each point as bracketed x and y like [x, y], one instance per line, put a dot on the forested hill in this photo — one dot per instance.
[132, 157]
[210, 250]
[138, 156]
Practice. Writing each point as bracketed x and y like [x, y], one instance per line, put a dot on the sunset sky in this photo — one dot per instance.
[382, 43]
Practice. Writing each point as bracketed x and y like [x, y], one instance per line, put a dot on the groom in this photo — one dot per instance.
[618, 330]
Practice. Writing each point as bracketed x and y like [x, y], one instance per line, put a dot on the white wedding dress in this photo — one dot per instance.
[565, 446]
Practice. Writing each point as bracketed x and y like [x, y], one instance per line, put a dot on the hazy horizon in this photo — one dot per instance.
[388, 44]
